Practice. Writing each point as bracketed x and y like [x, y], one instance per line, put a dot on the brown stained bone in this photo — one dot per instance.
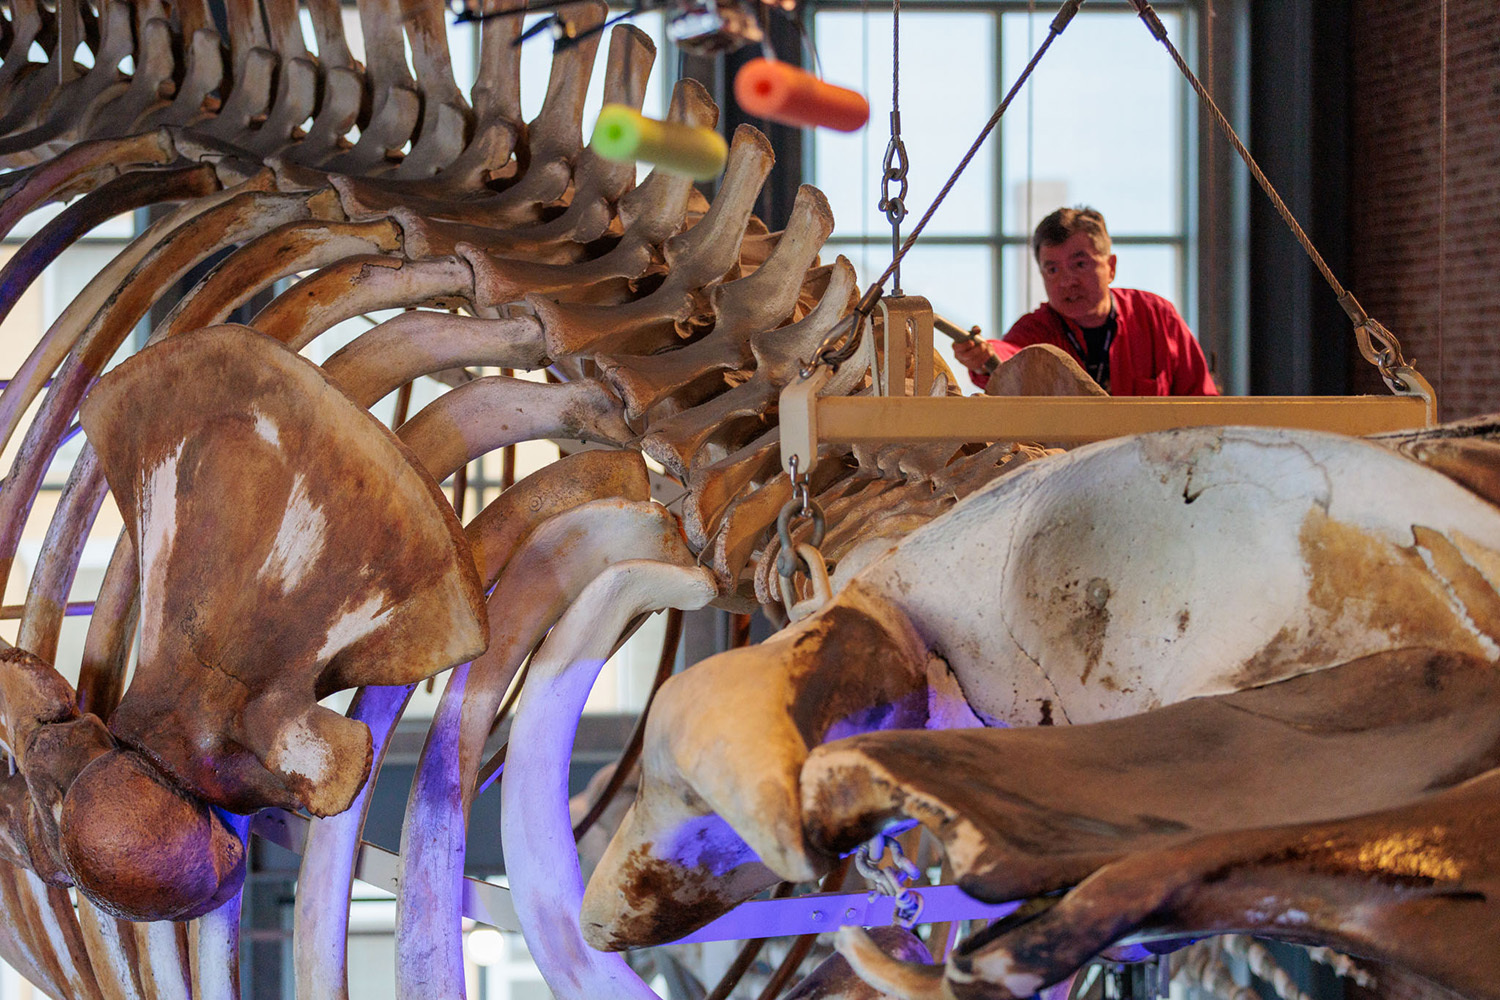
[31, 694]
[25, 937]
[38, 87]
[15, 809]
[180, 861]
[250, 96]
[285, 251]
[547, 572]
[112, 952]
[446, 116]
[70, 326]
[834, 979]
[891, 502]
[555, 138]
[17, 70]
[495, 536]
[96, 343]
[362, 284]
[58, 125]
[882, 513]
[425, 236]
[702, 255]
[496, 532]
[396, 103]
[343, 87]
[56, 568]
[142, 849]
[761, 301]
[111, 632]
[202, 74]
[420, 343]
[650, 214]
[969, 473]
[496, 98]
[747, 520]
[1041, 370]
[1413, 885]
[555, 155]
[720, 484]
[493, 412]
[136, 189]
[1026, 811]
[242, 217]
[49, 744]
[751, 714]
[1045, 543]
[598, 184]
[552, 146]
[94, 325]
[297, 84]
[1466, 451]
[241, 630]
[151, 84]
[48, 913]
[749, 253]
[702, 434]
[81, 169]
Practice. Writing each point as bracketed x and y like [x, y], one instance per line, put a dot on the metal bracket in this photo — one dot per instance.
[798, 415]
[906, 322]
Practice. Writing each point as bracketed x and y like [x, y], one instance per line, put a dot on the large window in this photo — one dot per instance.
[1105, 120]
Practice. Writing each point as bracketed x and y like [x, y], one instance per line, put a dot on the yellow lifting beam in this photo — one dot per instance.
[890, 418]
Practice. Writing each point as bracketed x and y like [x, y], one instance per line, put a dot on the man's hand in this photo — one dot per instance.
[976, 355]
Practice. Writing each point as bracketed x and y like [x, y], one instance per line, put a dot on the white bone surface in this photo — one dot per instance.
[1136, 573]
[542, 861]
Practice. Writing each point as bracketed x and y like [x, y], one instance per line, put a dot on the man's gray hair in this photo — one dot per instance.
[1057, 228]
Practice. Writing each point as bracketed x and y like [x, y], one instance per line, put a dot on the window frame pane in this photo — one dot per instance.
[870, 246]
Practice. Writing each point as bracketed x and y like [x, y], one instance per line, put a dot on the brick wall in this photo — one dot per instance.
[1453, 338]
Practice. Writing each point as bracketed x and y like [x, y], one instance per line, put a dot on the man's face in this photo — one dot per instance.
[1077, 277]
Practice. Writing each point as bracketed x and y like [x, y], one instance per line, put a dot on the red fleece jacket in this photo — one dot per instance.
[1153, 354]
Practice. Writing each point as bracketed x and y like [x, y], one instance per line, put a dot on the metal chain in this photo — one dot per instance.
[800, 507]
[1059, 22]
[896, 164]
[907, 908]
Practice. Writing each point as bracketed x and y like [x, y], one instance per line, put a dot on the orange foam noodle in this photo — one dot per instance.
[783, 93]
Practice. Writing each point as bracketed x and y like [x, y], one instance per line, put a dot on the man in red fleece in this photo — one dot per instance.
[1132, 343]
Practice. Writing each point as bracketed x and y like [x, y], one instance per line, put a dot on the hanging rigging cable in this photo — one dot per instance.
[1377, 344]
[805, 558]
[896, 165]
[848, 329]
[1442, 179]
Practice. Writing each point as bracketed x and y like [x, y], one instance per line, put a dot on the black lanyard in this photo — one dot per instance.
[1099, 371]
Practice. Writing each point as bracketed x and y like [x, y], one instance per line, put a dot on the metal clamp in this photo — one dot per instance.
[797, 410]
[1404, 380]
[907, 322]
